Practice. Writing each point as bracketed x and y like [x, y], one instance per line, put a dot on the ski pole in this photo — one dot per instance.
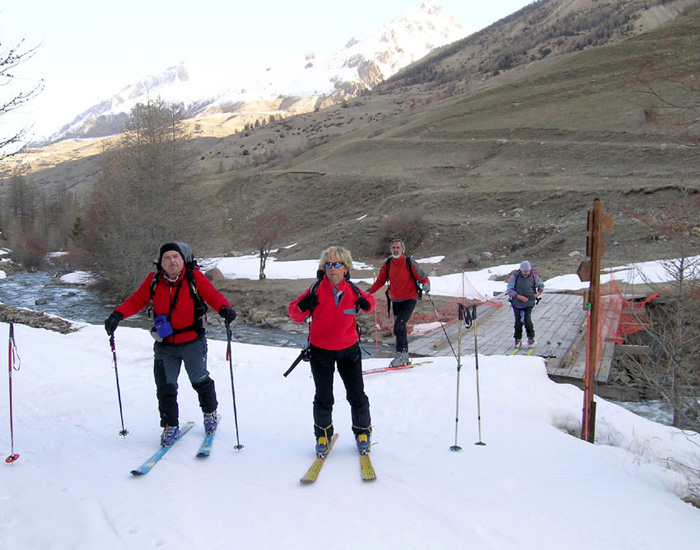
[443, 326]
[11, 356]
[376, 316]
[460, 307]
[123, 432]
[476, 361]
[238, 446]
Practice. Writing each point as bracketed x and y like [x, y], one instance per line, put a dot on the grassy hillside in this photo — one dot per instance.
[508, 168]
[501, 164]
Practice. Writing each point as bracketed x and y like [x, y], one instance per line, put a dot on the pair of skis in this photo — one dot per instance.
[530, 350]
[366, 468]
[203, 452]
[397, 367]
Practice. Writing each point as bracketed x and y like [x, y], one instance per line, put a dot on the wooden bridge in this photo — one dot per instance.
[560, 326]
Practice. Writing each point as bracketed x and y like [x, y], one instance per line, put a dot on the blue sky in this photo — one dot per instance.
[88, 50]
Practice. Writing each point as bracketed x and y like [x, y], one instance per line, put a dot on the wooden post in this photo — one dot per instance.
[599, 222]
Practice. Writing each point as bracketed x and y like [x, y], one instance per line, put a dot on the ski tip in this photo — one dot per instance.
[12, 458]
[136, 473]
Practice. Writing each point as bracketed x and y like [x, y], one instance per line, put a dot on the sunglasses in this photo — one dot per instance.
[337, 265]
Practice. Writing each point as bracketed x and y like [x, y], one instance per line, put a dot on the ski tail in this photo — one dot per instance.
[160, 453]
[366, 468]
[312, 473]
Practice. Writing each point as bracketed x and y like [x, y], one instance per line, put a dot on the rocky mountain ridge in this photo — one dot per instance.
[291, 84]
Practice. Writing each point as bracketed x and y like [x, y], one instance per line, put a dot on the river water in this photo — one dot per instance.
[45, 292]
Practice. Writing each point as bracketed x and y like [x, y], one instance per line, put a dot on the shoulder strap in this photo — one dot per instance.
[200, 306]
[534, 278]
[154, 282]
[358, 328]
[409, 266]
[313, 289]
[357, 291]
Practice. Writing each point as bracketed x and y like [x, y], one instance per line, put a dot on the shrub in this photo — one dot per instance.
[407, 225]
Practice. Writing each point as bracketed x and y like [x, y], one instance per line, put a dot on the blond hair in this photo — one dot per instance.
[336, 254]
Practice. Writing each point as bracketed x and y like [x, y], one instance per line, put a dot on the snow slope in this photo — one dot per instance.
[532, 486]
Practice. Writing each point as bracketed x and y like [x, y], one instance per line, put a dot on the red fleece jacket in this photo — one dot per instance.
[332, 327]
[183, 313]
[401, 285]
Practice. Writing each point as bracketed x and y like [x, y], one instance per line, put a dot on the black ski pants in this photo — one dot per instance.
[349, 363]
[523, 318]
[403, 310]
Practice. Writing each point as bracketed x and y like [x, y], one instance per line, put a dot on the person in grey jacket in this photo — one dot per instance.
[524, 290]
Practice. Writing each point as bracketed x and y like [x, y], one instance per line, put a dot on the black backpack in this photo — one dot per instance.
[305, 354]
[409, 266]
[313, 289]
[200, 306]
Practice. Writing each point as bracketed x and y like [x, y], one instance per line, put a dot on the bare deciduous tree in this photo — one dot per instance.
[263, 230]
[144, 195]
[10, 59]
[671, 369]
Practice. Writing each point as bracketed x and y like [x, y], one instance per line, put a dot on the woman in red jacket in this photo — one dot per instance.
[334, 340]
[182, 337]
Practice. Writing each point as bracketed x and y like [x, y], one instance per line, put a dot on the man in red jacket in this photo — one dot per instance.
[404, 275]
[180, 332]
[333, 338]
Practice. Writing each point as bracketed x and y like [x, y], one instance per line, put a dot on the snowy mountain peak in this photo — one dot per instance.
[405, 39]
[365, 61]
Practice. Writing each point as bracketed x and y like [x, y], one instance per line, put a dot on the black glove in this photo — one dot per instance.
[308, 302]
[228, 314]
[112, 322]
[363, 303]
[426, 288]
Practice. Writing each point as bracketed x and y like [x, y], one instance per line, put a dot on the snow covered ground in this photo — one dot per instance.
[534, 485]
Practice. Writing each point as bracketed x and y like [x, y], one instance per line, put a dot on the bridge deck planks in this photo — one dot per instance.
[560, 327]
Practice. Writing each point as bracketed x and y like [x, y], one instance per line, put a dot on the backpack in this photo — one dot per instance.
[534, 283]
[409, 263]
[200, 306]
[313, 289]
[305, 354]
[419, 288]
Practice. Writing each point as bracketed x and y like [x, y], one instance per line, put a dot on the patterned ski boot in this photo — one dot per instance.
[169, 435]
[321, 446]
[363, 443]
[211, 421]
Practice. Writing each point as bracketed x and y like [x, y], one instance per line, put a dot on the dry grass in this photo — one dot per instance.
[500, 168]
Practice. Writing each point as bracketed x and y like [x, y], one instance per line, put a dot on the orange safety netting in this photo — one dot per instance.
[620, 316]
